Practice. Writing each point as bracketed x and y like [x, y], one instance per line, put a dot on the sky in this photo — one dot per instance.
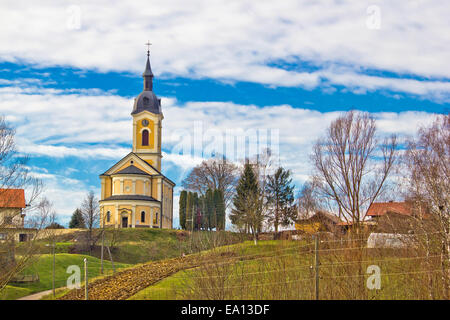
[279, 71]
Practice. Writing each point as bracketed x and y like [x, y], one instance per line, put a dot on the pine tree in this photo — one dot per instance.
[189, 211]
[246, 212]
[280, 198]
[182, 209]
[77, 220]
[210, 209]
[219, 204]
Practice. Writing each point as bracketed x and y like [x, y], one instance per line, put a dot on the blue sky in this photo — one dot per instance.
[69, 73]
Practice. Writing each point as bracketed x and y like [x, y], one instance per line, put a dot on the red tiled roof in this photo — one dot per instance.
[381, 208]
[12, 198]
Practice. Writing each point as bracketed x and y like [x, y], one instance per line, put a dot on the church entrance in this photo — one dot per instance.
[124, 222]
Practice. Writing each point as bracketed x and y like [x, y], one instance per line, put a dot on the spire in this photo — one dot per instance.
[148, 74]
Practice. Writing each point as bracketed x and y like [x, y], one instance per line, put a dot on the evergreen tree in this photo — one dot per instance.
[182, 209]
[219, 204]
[77, 220]
[247, 209]
[210, 209]
[189, 211]
[280, 198]
[203, 212]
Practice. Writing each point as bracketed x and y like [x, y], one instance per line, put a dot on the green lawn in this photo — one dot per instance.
[43, 267]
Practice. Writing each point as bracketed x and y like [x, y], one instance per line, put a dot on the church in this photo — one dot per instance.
[134, 192]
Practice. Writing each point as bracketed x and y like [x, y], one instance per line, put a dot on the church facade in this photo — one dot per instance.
[134, 192]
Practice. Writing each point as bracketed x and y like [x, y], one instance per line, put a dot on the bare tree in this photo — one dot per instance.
[14, 174]
[307, 201]
[91, 216]
[214, 173]
[351, 165]
[40, 217]
[427, 161]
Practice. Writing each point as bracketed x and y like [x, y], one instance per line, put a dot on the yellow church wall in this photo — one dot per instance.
[155, 188]
[112, 210]
[117, 187]
[155, 217]
[137, 165]
[139, 187]
[139, 209]
[151, 136]
[108, 187]
[127, 186]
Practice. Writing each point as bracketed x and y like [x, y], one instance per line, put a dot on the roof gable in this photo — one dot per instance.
[131, 169]
[126, 161]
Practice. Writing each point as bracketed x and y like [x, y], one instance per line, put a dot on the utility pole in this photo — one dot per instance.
[53, 245]
[316, 262]
[101, 254]
[86, 297]
[54, 266]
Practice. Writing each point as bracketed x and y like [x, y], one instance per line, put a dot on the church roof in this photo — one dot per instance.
[147, 101]
[132, 170]
[130, 197]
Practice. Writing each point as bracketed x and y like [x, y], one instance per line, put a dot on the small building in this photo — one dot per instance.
[321, 221]
[393, 217]
[12, 218]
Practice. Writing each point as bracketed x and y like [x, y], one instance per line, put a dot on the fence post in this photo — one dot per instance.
[316, 262]
[86, 296]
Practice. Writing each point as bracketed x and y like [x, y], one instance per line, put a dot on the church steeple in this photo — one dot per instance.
[148, 74]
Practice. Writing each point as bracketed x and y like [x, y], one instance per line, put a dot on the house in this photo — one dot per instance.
[12, 224]
[395, 216]
[320, 221]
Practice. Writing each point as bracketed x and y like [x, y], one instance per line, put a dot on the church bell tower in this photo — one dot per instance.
[147, 121]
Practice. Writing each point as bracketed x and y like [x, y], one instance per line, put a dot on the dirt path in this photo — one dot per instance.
[38, 295]
[127, 283]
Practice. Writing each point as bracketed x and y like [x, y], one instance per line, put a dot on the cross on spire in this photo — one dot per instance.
[148, 44]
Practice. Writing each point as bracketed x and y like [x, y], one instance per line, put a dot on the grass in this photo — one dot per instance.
[43, 267]
[286, 272]
[133, 246]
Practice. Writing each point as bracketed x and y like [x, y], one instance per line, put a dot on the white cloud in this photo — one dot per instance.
[238, 40]
[89, 127]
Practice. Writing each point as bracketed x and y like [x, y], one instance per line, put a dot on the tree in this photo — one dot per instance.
[189, 211]
[15, 174]
[91, 216]
[182, 209]
[219, 204]
[215, 173]
[352, 166]
[210, 209]
[54, 225]
[246, 212]
[77, 220]
[280, 198]
[308, 202]
[427, 162]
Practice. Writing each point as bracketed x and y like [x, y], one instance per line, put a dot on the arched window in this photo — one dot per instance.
[143, 216]
[145, 138]
[155, 220]
[108, 216]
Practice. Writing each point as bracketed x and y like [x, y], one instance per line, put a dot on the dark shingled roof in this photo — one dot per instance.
[147, 101]
[130, 197]
[132, 170]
